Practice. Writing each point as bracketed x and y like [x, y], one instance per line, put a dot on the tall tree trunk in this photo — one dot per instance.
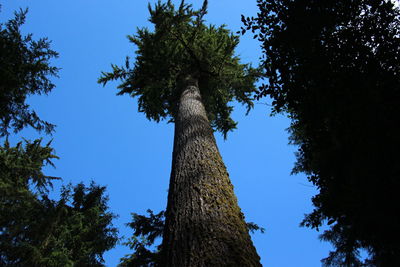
[204, 224]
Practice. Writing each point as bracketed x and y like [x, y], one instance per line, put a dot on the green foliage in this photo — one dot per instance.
[334, 67]
[181, 45]
[34, 230]
[38, 231]
[24, 70]
[146, 230]
[26, 163]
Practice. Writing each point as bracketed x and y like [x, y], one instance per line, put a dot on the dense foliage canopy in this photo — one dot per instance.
[180, 45]
[25, 70]
[333, 66]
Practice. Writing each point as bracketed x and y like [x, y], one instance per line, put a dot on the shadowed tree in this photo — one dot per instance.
[24, 71]
[187, 72]
[333, 66]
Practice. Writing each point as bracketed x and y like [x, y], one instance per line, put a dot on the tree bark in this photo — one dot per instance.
[204, 224]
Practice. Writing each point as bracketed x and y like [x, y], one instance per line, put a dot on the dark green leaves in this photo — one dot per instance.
[26, 162]
[24, 70]
[74, 230]
[146, 231]
[180, 45]
[38, 231]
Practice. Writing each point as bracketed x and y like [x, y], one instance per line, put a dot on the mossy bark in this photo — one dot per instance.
[204, 224]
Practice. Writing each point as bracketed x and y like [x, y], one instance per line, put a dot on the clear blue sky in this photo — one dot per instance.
[102, 137]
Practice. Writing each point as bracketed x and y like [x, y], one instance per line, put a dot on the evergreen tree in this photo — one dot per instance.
[146, 229]
[24, 70]
[34, 230]
[187, 72]
[333, 66]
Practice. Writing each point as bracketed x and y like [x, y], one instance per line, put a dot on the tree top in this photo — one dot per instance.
[25, 70]
[182, 44]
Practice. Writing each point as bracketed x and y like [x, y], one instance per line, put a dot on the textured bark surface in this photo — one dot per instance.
[204, 224]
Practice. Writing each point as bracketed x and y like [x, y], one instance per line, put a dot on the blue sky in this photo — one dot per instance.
[102, 137]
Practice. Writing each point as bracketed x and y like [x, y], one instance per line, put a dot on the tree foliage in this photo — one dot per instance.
[36, 231]
[333, 66]
[180, 45]
[146, 230]
[25, 70]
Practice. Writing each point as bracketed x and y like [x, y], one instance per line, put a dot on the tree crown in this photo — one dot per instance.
[24, 70]
[180, 45]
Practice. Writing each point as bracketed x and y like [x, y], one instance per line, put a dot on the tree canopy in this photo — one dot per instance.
[37, 231]
[333, 66]
[25, 70]
[182, 44]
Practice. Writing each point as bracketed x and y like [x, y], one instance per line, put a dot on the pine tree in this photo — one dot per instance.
[35, 230]
[25, 70]
[187, 72]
